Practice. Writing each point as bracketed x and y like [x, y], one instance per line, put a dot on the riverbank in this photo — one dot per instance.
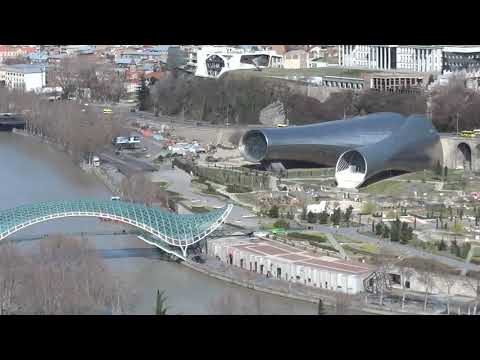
[244, 278]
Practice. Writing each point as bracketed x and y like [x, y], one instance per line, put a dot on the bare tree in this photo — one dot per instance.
[473, 281]
[11, 267]
[406, 274]
[449, 281]
[65, 277]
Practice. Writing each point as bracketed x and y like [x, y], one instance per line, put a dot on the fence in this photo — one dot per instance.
[248, 178]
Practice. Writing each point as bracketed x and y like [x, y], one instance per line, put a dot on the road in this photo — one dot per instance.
[127, 164]
[405, 249]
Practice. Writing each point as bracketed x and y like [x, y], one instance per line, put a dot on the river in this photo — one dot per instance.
[33, 172]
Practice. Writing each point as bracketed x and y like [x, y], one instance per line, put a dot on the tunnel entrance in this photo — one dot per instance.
[463, 157]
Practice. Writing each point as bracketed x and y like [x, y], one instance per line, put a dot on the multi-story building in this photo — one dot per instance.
[23, 77]
[397, 82]
[296, 59]
[459, 58]
[411, 58]
[213, 61]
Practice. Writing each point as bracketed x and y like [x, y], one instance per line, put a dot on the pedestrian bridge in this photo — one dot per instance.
[167, 228]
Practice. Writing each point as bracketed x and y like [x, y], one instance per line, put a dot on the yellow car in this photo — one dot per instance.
[107, 111]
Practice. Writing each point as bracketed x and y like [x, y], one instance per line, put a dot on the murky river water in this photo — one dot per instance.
[33, 172]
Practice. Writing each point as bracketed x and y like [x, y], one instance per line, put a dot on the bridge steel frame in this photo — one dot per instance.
[176, 230]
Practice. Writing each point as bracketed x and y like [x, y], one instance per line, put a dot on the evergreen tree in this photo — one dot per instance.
[311, 217]
[336, 216]
[274, 212]
[445, 173]
[395, 231]
[404, 233]
[442, 246]
[143, 95]
[379, 229]
[386, 232]
[348, 214]
[323, 218]
[160, 308]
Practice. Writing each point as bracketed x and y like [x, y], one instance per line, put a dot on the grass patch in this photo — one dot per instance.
[327, 71]
[362, 249]
[344, 239]
[314, 237]
[397, 188]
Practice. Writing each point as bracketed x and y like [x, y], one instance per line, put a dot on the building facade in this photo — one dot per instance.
[413, 58]
[296, 59]
[461, 58]
[362, 148]
[397, 82]
[23, 77]
[214, 61]
[288, 263]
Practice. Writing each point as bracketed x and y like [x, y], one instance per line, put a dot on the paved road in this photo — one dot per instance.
[405, 249]
[127, 165]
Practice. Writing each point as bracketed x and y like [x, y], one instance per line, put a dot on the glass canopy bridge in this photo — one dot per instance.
[169, 230]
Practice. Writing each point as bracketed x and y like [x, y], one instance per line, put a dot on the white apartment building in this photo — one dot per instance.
[411, 58]
[23, 77]
[213, 61]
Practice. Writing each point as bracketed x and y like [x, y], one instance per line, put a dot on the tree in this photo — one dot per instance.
[143, 95]
[442, 246]
[311, 217]
[281, 224]
[454, 248]
[395, 231]
[386, 232]
[160, 308]
[379, 229]
[406, 274]
[473, 280]
[64, 277]
[323, 217]
[348, 214]
[336, 216]
[445, 173]
[449, 281]
[405, 233]
[274, 212]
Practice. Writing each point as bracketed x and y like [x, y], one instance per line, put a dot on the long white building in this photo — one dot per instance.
[23, 77]
[411, 58]
[213, 61]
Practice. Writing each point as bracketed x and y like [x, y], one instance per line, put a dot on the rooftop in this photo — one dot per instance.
[289, 254]
[24, 68]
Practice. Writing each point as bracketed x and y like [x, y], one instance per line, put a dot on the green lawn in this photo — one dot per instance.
[328, 71]
[316, 237]
[397, 188]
